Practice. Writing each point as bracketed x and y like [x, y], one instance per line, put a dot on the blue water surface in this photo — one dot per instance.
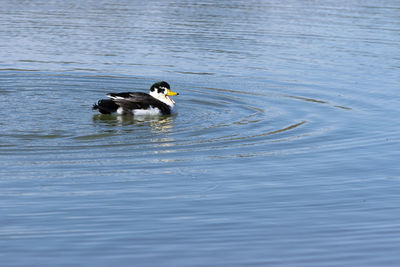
[284, 151]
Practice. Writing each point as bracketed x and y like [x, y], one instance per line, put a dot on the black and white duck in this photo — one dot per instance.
[157, 102]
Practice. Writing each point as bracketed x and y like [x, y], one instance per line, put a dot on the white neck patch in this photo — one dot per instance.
[163, 97]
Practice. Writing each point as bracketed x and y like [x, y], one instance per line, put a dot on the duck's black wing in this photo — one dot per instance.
[129, 101]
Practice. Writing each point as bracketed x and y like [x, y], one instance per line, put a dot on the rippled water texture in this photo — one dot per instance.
[284, 151]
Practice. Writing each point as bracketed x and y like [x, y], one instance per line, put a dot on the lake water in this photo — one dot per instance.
[284, 152]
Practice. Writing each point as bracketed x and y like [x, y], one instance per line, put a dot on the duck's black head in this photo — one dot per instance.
[160, 87]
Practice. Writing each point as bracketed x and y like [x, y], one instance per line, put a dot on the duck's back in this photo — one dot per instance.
[136, 103]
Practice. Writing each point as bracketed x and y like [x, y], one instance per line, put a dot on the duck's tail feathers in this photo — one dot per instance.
[105, 106]
[95, 106]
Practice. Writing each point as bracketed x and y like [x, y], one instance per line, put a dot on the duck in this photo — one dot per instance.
[157, 102]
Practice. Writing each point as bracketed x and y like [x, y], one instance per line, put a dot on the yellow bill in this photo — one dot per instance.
[171, 93]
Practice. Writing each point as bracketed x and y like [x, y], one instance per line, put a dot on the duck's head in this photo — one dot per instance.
[162, 91]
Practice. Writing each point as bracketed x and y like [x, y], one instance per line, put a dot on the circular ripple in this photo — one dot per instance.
[223, 123]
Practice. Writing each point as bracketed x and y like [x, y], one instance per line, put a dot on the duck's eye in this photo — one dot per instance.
[161, 90]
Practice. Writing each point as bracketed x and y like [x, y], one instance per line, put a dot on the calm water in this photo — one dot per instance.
[285, 150]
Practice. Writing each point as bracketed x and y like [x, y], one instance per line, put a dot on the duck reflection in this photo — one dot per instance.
[144, 131]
